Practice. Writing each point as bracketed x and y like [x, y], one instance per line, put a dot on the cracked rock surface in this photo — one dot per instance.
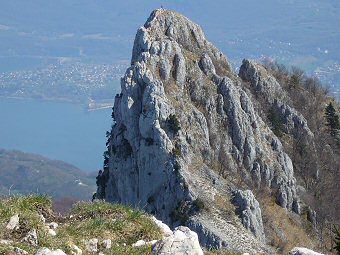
[248, 209]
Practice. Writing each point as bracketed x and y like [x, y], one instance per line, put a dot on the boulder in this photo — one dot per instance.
[52, 225]
[139, 243]
[303, 251]
[13, 223]
[31, 238]
[91, 245]
[46, 251]
[182, 241]
[106, 244]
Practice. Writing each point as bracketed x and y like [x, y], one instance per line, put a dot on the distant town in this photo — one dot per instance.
[76, 82]
[96, 84]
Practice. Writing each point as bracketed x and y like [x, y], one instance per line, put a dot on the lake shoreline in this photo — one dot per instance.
[56, 129]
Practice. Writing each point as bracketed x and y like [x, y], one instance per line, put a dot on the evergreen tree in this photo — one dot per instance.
[276, 122]
[332, 119]
[337, 240]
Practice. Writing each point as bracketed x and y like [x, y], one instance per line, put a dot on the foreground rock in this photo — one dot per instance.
[46, 251]
[76, 250]
[303, 251]
[182, 241]
[13, 222]
[91, 245]
[31, 238]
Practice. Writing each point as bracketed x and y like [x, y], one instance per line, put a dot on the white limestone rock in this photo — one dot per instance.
[43, 251]
[139, 243]
[51, 228]
[163, 227]
[31, 238]
[46, 251]
[51, 232]
[266, 86]
[13, 223]
[53, 225]
[182, 241]
[91, 245]
[42, 218]
[303, 251]
[57, 252]
[106, 244]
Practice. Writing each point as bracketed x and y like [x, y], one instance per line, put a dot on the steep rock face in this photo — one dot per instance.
[266, 86]
[186, 133]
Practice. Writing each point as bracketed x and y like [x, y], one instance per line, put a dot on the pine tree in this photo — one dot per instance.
[336, 231]
[332, 119]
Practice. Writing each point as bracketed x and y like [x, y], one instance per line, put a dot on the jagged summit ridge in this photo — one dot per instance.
[186, 134]
[163, 28]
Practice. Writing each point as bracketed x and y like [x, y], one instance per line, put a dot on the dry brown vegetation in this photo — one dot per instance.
[284, 230]
[317, 169]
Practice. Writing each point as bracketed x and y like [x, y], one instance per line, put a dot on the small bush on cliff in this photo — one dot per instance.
[176, 152]
[181, 212]
[199, 204]
[276, 122]
[173, 123]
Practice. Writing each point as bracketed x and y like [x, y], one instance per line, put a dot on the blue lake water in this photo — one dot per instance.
[57, 130]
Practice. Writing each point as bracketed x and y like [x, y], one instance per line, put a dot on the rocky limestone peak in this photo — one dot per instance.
[186, 136]
[167, 32]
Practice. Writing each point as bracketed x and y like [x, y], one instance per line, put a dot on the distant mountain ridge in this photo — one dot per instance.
[25, 173]
[303, 33]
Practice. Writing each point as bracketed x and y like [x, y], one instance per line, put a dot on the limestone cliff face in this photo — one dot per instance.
[186, 134]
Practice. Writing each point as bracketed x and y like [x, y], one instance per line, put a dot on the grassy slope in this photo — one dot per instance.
[25, 173]
[121, 224]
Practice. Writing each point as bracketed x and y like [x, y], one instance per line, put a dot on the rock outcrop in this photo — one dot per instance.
[303, 251]
[13, 222]
[186, 133]
[265, 86]
[248, 209]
